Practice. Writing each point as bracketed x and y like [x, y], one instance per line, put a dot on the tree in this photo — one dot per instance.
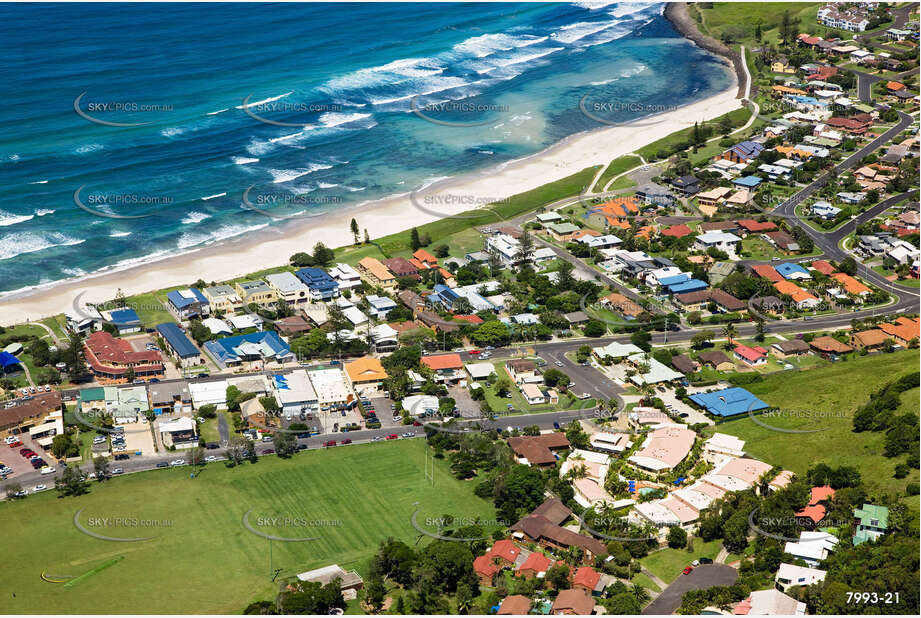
[196, 456]
[354, 228]
[556, 378]
[239, 448]
[677, 537]
[414, 242]
[71, 482]
[367, 237]
[14, 491]
[63, 446]
[558, 576]
[594, 328]
[462, 306]
[129, 374]
[285, 443]
[702, 338]
[375, 594]
[641, 339]
[101, 467]
[730, 332]
[323, 255]
[525, 246]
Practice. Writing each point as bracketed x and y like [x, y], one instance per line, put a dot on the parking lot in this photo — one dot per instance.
[467, 407]
[138, 438]
[11, 457]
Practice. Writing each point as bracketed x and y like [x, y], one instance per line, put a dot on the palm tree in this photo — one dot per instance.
[730, 332]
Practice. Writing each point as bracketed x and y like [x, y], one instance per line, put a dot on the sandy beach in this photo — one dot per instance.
[272, 246]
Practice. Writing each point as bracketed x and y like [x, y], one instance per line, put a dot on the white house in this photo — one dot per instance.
[792, 575]
[724, 241]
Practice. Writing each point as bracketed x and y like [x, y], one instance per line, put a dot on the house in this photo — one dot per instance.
[684, 364]
[112, 358]
[332, 389]
[375, 273]
[401, 267]
[125, 320]
[346, 277]
[350, 582]
[903, 331]
[523, 371]
[255, 292]
[721, 445]
[258, 346]
[783, 241]
[728, 402]
[573, 603]
[851, 285]
[722, 241]
[538, 450]
[717, 360]
[686, 185]
[514, 605]
[651, 371]
[549, 217]
[788, 348]
[749, 183]
[751, 356]
[588, 579]
[245, 321]
[664, 449]
[188, 304]
[288, 287]
[872, 522]
[824, 210]
[562, 232]
[743, 152]
[292, 325]
[812, 548]
[792, 271]
[533, 394]
[653, 194]
[769, 603]
[873, 339]
[610, 442]
[447, 367]
[380, 306]
[178, 433]
[17, 416]
[621, 304]
[222, 298]
[782, 65]
[179, 345]
[771, 304]
[814, 512]
[756, 227]
[535, 565]
[828, 347]
[802, 299]
[677, 231]
[365, 371]
[823, 266]
[739, 199]
[714, 196]
[321, 285]
[789, 575]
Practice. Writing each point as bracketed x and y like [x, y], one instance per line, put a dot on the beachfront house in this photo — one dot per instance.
[320, 284]
[188, 304]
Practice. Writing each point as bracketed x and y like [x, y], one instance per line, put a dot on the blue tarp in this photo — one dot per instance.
[8, 360]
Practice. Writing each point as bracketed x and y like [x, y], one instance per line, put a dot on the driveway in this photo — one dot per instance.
[703, 577]
[693, 416]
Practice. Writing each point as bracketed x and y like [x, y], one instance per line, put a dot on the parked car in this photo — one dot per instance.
[704, 560]
[687, 570]
[162, 464]
[347, 441]
[15, 444]
[121, 457]
[301, 447]
[268, 451]
[392, 436]
[556, 425]
[329, 443]
[559, 363]
[39, 488]
[118, 471]
[210, 458]
[47, 470]
[177, 462]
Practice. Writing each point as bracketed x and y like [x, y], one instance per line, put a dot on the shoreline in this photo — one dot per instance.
[679, 17]
[270, 247]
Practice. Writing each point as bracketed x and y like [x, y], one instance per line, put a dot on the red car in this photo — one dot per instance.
[392, 436]
[347, 441]
[417, 424]
[330, 443]
[474, 352]
[15, 444]
[25, 450]
[687, 570]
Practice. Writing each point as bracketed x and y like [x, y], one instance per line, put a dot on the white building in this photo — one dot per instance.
[724, 241]
[346, 276]
[723, 445]
[331, 387]
[812, 548]
[288, 287]
[208, 393]
[792, 575]
[295, 394]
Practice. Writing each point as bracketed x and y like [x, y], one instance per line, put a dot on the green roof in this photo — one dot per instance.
[873, 512]
[563, 228]
[863, 107]
[97, 393]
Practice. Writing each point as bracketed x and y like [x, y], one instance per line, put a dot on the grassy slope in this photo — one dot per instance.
[206, 562]
[839, 388]
[747, 14]
[617, 166]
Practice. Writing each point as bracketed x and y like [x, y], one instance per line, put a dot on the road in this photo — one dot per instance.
[703, 577]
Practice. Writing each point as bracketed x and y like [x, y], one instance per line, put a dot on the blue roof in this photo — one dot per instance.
[445, 294]
[317, 279]
[8, 360]
[692, 285]
[675, 279]
[180, 302]
[747, 181]
[728, 402]
[748, 149]
[225, 349]
[125, 317]
[177, 340]
[787, 269]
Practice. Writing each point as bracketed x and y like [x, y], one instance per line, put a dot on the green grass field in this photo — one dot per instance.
[667, 563]
[837, 389]
[206, 561]
[744, 16]
[617, 166]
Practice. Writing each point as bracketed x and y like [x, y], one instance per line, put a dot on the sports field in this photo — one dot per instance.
[823, 401]
[203, 559]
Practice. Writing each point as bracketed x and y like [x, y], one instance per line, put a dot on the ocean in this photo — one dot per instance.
[133, 132]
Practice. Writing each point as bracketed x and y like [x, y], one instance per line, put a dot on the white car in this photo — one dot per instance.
[47, 388]
[559, 363]
[10, 439]
[177, 462]
[39, 488]
[210, 458]
[47, 470]
[117, 471]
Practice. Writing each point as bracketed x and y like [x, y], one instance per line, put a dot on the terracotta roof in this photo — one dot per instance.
[895, 86]
[107, 354]
[823, 267]
[851, 285]
[829, 344]
[483, 565]
[572, 601]
[750, 354]
[376, 268]
[678, 231]
[443, 361]
[751, 225]
[514, 605]
[536, 449]
[623, 304]
[536, 562]
[871, 337]
[713, 357]
[424, 256]
[904, 328]
[767, 271]
[586, 576]
[365, 369]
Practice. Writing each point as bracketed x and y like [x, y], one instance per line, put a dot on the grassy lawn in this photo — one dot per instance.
[738, 117]
[723, 15]
[667, 563]
[910, 282]
[520, 404]
[151, 308]
[837, 389]
[365, 492]
[641, 580]
[617, 166]
[756, 248]
[624, 182]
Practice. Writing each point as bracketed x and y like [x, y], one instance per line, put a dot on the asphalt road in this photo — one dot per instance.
[702, 577]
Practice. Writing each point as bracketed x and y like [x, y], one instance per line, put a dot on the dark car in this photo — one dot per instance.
[347, 441]
[303, 435]
[212, 445]
[202, 375]
[301, 447]
[705, 560]
[162, 464]
[556, 425]
[154, 380]
[268, 451]
[121, 457]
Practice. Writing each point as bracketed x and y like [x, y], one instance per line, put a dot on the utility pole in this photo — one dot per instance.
[665, 340]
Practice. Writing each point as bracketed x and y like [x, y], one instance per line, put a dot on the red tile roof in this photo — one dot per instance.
[536, 562]
[483, 565]
[750, 225]
[767, 271]
[505, 549]
[823, 267]
[112, 356]
[678, 231]
[443, 361]
[586, 577]
[750, 354]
